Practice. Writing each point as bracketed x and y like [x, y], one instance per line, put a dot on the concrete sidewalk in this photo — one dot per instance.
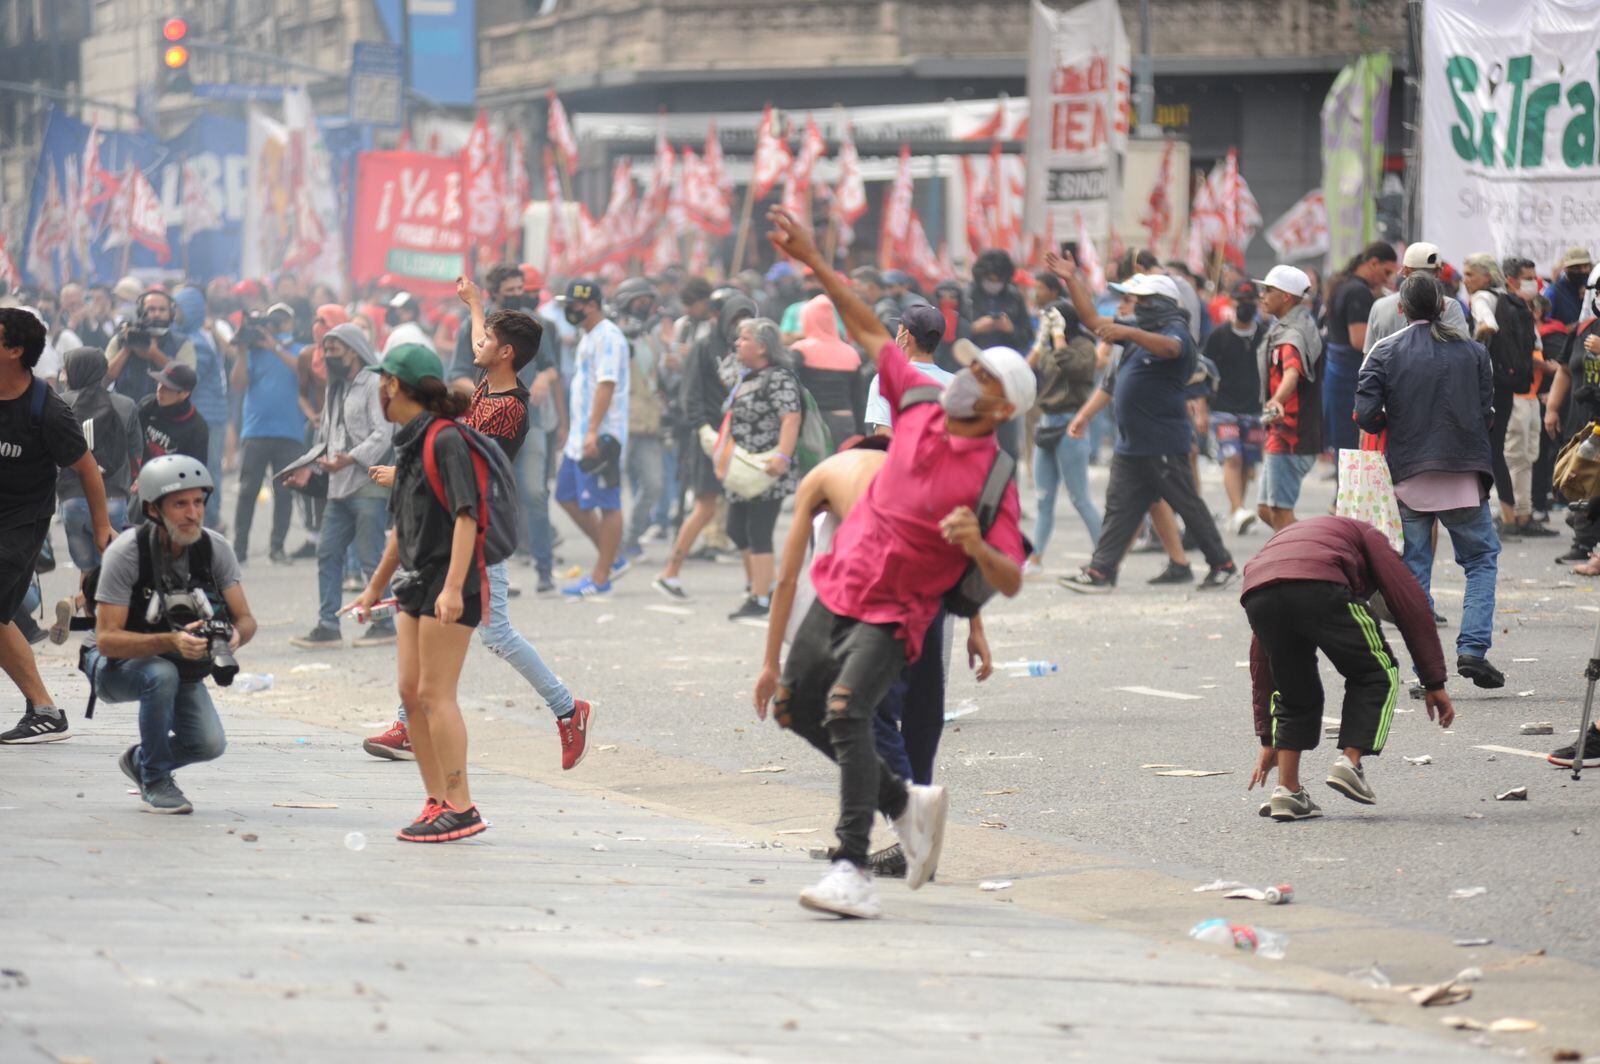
[578, 927]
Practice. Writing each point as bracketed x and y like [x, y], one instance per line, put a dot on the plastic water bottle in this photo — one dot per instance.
[252, 681]
[1589, 449]
[1241, 936]
[1032, 668]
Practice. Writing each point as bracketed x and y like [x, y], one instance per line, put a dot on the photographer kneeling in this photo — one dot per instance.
[169, 611]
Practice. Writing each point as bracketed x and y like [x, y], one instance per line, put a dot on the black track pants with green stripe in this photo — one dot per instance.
[1293, 621]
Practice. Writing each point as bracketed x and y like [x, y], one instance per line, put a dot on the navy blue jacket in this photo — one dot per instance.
[1435, 399]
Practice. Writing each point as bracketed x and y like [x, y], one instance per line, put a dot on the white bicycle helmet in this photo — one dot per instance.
[168, 473]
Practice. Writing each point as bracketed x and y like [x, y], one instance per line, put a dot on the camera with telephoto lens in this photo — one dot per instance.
[253, 330]
[136, 337]
[181, 609]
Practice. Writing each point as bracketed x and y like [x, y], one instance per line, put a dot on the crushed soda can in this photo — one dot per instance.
[1282, 894]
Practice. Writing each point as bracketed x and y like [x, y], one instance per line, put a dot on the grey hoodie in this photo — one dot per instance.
[352, 418]
[1299, 329]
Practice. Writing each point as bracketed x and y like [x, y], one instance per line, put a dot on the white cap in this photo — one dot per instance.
[1287, 279]
[1149, 284]
[1421, 256]
[1009, 368]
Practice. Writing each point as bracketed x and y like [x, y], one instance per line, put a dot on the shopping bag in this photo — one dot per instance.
[1367, 494]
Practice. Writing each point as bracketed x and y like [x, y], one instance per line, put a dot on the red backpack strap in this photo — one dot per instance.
[480, 470]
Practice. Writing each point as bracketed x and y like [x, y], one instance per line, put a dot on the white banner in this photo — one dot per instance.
[1509, 105]
[1078, 92]
[1302, 232]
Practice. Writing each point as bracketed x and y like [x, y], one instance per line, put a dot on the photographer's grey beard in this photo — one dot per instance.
[182, 539]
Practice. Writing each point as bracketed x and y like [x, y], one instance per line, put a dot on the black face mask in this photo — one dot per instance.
[391, 317]
[574, 316]
[1244, 313]
[338, 369]
[517, 302]
[1578, 277]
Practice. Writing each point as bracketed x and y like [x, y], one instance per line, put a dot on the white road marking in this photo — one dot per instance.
[1511, 750]
[1157, 693]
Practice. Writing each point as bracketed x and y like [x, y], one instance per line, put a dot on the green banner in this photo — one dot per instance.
[1355, 121]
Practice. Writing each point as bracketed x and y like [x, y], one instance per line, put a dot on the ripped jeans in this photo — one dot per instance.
[837, 671]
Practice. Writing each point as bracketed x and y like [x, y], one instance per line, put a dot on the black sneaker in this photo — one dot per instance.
[1219, 577]
[278, 557]
[547, 584]
[129, 764]
[379, 633]
[671, 587]
[751, 609]
[447, 824]
[1563, 757]
[1534, 530]
[889, 862]
[164, 797]
[306, 551]
[1439, 619]
[36, 727]
[319, 638]
[1087, 582]
[1173, 574]
[1479, 671]
[1573, 555]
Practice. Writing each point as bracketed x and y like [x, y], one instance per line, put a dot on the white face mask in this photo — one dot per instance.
[1528, 289]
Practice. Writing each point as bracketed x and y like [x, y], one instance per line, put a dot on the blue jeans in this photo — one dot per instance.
[358, 521]
[499, 636]
[1067, 463]
[79, 526]
[1477, 548]
[907, 724]
[178, 725]
[216, 443]
[533, 482]
[1340, 366]
[662, 514]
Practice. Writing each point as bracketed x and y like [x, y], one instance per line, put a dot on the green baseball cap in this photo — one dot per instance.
[410, 363]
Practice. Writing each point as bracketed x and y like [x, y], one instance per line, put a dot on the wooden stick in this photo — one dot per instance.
[830, 240]
[744, 227]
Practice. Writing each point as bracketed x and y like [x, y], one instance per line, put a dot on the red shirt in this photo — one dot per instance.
[889, 563]
[1299, 431]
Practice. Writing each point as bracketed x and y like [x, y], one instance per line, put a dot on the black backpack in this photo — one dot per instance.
[1511, 346]
[972, 591]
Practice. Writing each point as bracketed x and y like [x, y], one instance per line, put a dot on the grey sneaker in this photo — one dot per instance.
[164, 797]
[1293, 806]
[1351, 781]
[129, 764]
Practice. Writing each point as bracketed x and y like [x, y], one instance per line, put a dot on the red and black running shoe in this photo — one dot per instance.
[447, 824]
[575, 734]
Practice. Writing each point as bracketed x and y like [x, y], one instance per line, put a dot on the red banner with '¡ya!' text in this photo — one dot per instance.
[409, 221]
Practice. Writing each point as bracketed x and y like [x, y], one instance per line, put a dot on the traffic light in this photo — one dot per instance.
[174, 49]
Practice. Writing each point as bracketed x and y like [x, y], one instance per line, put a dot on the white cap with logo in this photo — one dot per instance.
[1009, 368]
[1287, 279]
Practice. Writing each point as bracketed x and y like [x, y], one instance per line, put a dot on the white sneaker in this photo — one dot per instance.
[1242, 520]
[921, 831]
[1032, 568]
[844, 891]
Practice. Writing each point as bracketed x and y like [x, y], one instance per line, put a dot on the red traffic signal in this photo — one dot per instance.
[175, 29]
[174, 49]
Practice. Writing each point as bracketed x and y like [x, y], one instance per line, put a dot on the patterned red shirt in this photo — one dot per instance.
[1299, 431]
[502, 416]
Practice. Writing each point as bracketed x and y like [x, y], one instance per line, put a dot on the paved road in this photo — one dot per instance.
[1057, 760]
[577, 928]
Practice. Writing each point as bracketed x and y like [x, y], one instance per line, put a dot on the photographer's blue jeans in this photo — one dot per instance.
[361, 521]
[1477, 548]
[500, 637]
[533, 481]
[178, 725]
[79, 526]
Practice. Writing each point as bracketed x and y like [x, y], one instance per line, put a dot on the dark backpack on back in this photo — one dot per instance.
[972, 591]
[499, 515]
[1511, 346]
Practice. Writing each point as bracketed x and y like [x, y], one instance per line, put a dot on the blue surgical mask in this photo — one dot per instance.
[285, 337]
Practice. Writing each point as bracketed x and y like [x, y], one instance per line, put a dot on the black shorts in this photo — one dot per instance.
[695, 471]
[19, 552]
[416, 597]
[750, 523]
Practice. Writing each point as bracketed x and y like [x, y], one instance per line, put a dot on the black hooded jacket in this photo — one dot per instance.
[176, 429]
[704, 390]
[110, 420]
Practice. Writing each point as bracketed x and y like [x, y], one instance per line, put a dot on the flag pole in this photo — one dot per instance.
[744, 227]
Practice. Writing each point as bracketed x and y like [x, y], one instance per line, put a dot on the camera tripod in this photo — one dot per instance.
[1591, 673]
